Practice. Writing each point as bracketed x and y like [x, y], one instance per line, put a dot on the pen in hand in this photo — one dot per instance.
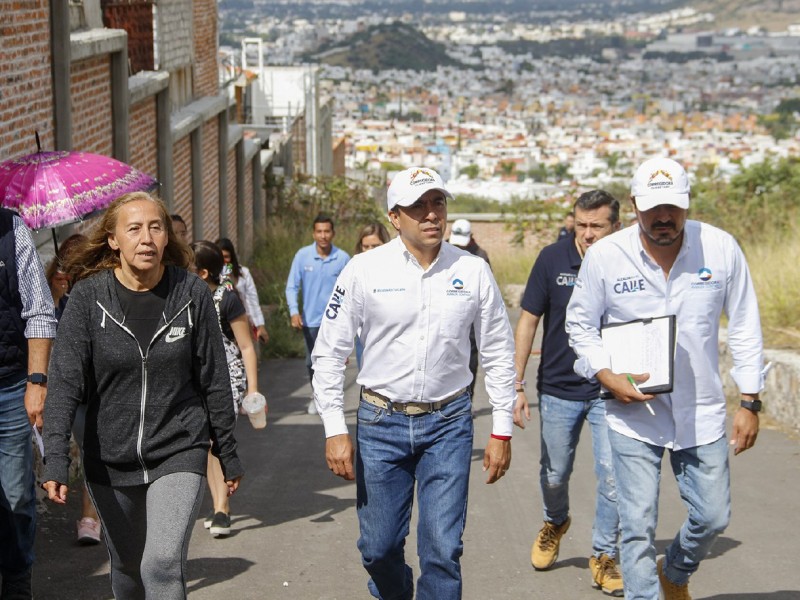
[636, 387]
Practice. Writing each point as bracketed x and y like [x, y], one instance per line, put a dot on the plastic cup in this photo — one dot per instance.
[254, 406]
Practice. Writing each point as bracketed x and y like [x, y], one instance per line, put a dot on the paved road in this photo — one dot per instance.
[294, 524]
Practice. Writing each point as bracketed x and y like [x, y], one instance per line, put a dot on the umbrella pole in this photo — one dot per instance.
[55, 241]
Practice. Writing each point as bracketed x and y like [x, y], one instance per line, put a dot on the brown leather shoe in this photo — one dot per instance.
[669, 590]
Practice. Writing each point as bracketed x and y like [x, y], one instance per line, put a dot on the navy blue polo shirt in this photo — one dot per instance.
[547, 293]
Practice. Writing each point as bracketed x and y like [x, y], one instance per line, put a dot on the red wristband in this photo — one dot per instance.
[502, 438]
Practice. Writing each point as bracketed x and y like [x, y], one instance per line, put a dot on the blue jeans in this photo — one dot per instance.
[17, 495]
[394, 452]
[310, 338]
[704, 483]
[561, 423]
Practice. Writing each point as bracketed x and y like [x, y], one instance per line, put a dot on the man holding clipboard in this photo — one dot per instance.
[668, 265]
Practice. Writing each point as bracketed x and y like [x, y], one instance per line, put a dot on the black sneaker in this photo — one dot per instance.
[209, 519]
[220, 525]
[16, 586]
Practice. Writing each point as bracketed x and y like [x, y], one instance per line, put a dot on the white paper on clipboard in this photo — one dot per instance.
[643, 346]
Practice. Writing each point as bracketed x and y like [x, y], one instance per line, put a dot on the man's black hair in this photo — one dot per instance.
[596, 199]
[323, 218]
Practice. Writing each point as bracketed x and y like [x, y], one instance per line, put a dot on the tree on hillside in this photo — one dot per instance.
[470, 171]
[561, 171]
[508, 167]
[538, 173]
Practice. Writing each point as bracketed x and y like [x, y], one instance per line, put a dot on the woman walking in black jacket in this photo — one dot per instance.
[139, 344]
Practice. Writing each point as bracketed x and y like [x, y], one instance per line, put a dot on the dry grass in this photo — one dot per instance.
[511, 265]
[773, 265]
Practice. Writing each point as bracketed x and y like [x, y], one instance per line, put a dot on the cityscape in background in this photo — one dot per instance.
[538, 104]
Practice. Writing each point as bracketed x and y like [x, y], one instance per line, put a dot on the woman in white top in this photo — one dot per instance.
[243, 280]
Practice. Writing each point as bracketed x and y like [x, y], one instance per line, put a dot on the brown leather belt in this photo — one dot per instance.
[407, 408]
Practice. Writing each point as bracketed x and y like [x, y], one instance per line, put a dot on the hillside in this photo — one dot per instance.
[393, 46]
[773, 15]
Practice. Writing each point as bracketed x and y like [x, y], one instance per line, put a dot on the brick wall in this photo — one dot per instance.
[90, 96]
[231, 198]
[143, 141]
[248, 198]
[210, 179]
[247, 243]
[136, 18]
[206, 75]
[26, 92]
[339, 153]
[175, 34]
[182, 168]
[495, 237]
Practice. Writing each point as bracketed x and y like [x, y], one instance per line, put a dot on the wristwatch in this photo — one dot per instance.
[754, 405]
[37, 378]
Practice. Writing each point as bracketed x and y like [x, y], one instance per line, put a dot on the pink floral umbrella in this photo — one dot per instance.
[48, 189]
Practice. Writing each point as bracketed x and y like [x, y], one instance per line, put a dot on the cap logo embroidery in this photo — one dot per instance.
[427, 177]
[652, 184]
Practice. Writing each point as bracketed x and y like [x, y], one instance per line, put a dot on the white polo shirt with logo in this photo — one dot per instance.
[415, 326]
[619, 282]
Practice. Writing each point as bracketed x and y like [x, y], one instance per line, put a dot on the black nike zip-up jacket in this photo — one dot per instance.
[150, 411]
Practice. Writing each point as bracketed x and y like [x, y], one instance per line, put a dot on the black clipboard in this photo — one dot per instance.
[643, 346]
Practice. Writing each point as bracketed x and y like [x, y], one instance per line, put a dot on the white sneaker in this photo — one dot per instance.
[312, 407]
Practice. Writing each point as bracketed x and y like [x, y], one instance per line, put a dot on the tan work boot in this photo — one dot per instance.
[669, 590]
[606, 575]
[545, 549]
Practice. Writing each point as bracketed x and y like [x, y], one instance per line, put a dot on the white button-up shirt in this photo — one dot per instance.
[619, 282]
[415, 326]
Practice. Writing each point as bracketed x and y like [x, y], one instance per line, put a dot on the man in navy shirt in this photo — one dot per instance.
[565, 399]
[314, 271]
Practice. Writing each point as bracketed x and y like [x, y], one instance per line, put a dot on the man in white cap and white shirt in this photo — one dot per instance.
[414, 299]
[669, 265]
[461, 236]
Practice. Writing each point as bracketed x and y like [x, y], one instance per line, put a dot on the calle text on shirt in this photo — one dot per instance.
[631, 283]
[335, 303]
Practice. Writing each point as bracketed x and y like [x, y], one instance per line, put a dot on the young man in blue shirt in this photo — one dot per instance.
[566, 400]
[315, 269]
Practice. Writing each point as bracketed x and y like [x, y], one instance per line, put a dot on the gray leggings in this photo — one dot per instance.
[147, 530]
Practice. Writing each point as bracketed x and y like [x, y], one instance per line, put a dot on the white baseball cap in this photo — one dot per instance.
[460, 232]
[660, 181]
[409, 185]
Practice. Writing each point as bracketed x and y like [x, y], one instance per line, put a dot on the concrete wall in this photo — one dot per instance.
[174, 35]
[782, 389]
